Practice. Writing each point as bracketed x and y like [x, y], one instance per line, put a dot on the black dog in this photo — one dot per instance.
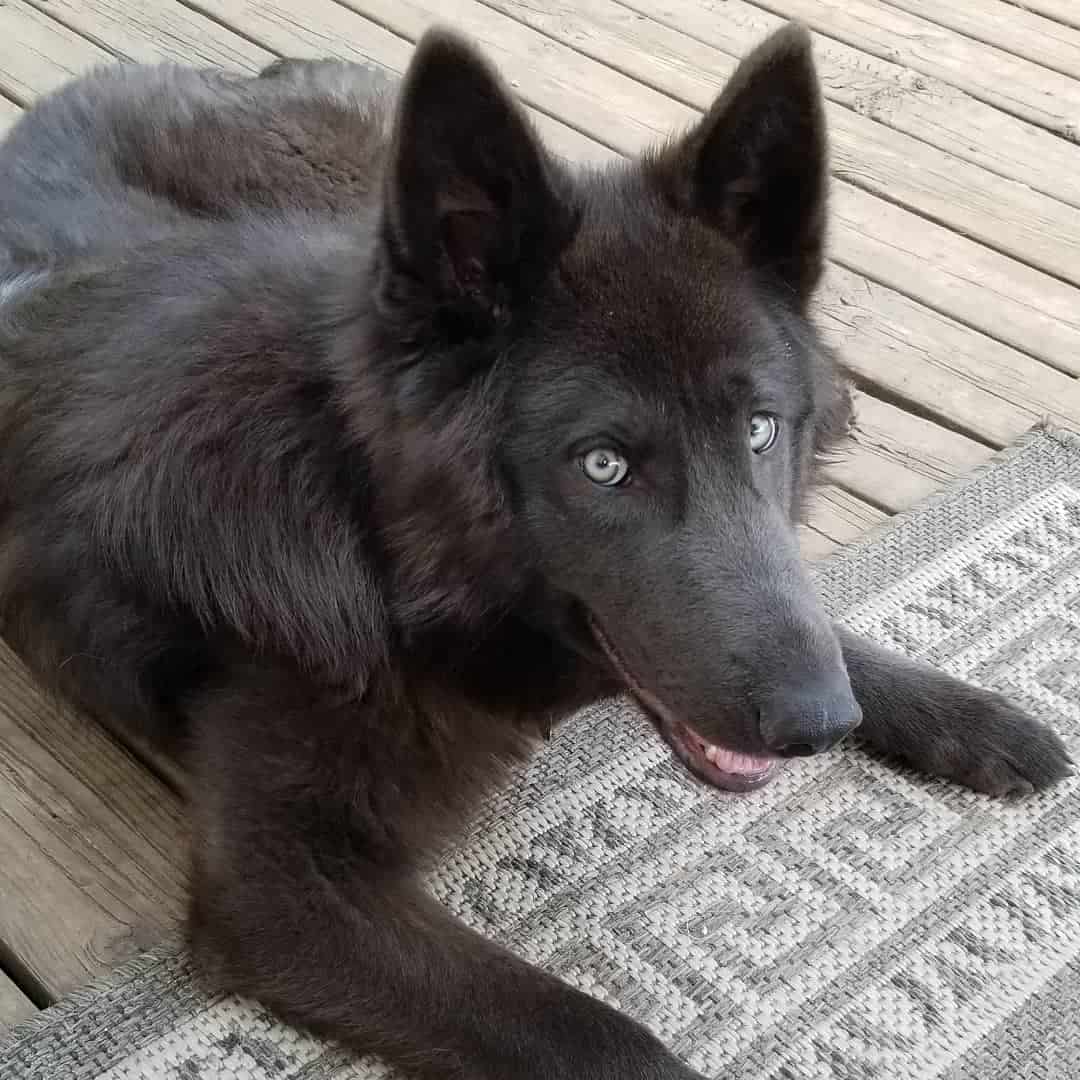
[349, 447]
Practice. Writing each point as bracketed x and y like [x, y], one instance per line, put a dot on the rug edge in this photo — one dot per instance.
[1044, 429]
[82, 997]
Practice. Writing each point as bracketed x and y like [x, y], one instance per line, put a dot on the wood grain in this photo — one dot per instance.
[152, 30]
[1063, 11]
[909, 353]
[899, 459]
[1029, 310]
[94, 848]
[909, 101]
[838, 518]
[38, 54]
[1043, 41]
[814, 545]
[1009, 82]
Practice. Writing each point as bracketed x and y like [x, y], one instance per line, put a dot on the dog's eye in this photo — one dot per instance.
[764, 430]
[605, 467]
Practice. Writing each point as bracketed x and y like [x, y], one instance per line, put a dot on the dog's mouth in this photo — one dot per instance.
[729, 770]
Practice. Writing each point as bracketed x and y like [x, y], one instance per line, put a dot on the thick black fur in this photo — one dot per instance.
[298, 376]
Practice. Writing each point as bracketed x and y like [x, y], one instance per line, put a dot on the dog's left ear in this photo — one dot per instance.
[755, 166]
[471, 215]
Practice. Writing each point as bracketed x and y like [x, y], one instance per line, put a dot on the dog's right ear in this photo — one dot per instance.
[472, 216]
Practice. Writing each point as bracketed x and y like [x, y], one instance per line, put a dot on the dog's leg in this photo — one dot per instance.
[306, 899]
[948, 728]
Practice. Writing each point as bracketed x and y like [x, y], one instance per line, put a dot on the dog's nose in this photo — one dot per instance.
[798, 723]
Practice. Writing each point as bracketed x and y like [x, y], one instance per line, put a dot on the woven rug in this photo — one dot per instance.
[849, 921]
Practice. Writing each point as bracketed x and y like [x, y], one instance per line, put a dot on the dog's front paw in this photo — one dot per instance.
[986, 742]
[983, 741]
[949, 728]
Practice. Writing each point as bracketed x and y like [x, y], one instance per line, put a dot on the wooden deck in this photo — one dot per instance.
[953, 292]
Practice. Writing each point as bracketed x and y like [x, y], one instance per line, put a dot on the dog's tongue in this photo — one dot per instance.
[731, 761]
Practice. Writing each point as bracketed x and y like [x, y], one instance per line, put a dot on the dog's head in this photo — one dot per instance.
[624, 393]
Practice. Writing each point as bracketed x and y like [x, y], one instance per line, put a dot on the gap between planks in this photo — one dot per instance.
[1022, 33]
[1009, 82]
[14, 1004]
[1065, 12]
[896, 96]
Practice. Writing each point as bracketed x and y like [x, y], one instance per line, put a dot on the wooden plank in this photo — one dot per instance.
[614, 109]
[1002, 214]
[1029, 310]
[908, 101]
[898, 459]
[9, 113]
[838, 518]
[1064, 11]
[947, 370]
[1005, 215]
[328, 29]
[1041, 40]
[14, 1004]
[1012, 83]
[38, 55]
[92, 845]
[815, 545]
[154, 30]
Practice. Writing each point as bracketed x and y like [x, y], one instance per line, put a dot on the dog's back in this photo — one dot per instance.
[128, 154]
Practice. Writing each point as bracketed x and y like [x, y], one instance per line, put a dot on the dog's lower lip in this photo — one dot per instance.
[703, 758]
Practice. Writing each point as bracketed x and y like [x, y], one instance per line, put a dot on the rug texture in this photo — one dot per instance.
[849, 922]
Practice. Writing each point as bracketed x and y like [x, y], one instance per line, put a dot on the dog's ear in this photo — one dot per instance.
[471, 215]
[756, 167]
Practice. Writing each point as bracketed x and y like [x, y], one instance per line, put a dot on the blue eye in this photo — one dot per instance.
[764, 431]
[605, 467]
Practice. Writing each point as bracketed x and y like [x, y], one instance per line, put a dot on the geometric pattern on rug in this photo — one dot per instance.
[848, 922]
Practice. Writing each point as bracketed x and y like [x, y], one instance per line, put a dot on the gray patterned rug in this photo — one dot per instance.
[847, 923]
